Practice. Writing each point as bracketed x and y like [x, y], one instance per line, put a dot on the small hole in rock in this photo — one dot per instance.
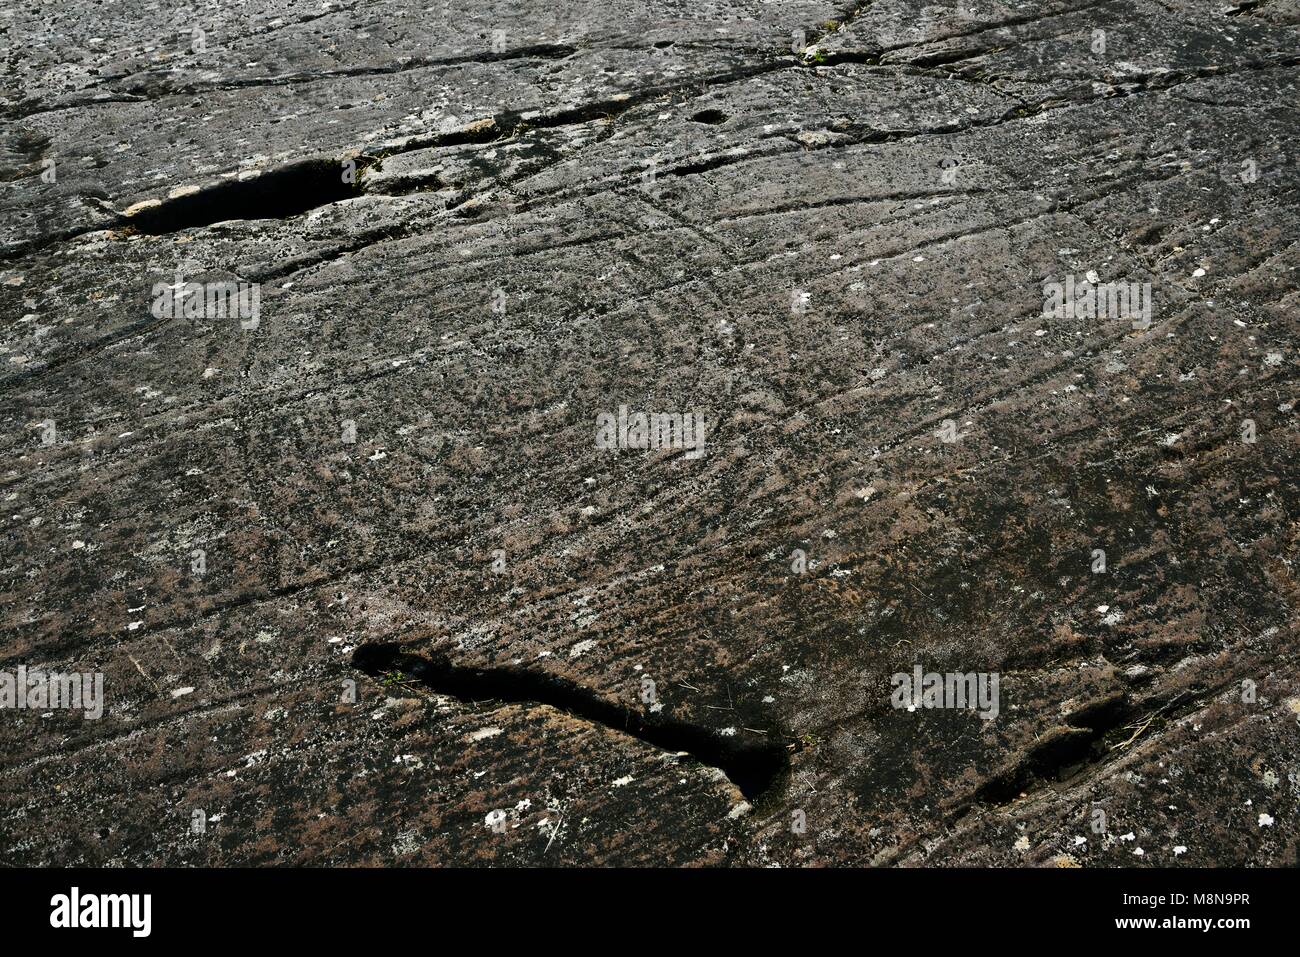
[712, 117]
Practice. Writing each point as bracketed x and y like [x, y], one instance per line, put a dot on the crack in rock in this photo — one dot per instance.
[280, 193]
[756, 764]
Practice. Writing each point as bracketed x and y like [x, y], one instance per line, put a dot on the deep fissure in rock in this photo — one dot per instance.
[299, 187]
[753, 764]
[1061, 756]
[277, 194]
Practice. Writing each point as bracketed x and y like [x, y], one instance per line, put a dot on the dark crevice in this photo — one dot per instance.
[1035, 16]
[1047, 762]
[1063, 754]
[835, 58]
[709, 117]
[277, 194]
[944, 57]
[26, 109]
[711, 163]
[1242, 8]
[1090, 735]
[755, 763]
[360, 241]
[1102, 715]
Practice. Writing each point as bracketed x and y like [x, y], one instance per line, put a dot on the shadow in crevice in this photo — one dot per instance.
[1062, 756]
[755, 765]
[277, 194]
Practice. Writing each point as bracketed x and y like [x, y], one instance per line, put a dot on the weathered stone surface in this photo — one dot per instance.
[836, 255]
